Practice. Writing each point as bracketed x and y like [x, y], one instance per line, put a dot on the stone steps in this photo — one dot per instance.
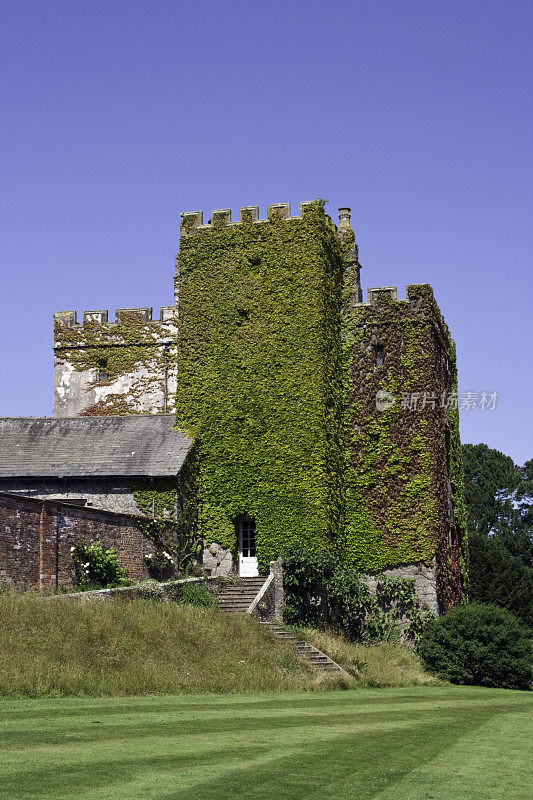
[315, 657]
[237, 598]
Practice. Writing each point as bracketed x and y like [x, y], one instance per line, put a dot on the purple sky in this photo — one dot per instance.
[118, 115]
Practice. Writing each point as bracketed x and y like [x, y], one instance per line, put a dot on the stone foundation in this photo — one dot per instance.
[425, 582]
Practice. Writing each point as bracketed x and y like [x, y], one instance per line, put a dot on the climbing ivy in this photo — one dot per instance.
[321, 592]
[170, 516]
[111, 351]
[398, 461]
[260, 376]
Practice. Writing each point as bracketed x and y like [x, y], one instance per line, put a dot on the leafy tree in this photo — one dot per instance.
[480, 645]
[499, 499]
[499, 578]
[487, 473]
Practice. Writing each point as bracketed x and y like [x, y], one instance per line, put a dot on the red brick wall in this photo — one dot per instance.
[36, 537]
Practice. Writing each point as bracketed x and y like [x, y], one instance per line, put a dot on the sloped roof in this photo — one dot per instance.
[45, 447]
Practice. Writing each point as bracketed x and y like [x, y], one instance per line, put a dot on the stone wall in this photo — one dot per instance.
[36, 537]
[112, 494]
[425, 582]
[122, 367]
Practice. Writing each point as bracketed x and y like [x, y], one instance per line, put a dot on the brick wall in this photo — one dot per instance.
[36, 537]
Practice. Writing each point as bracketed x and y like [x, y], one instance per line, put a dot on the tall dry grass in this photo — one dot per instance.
[372, 665]
[61, 647]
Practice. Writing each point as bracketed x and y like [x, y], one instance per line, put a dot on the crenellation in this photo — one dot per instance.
[193, 220]
[249, 214]
[221, 216]
[67, 318]
[167, 315]
[100, 317]
[389, 292]
[145, 314]
[281, 210]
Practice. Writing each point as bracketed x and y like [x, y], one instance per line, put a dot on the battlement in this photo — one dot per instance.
[414, 292]
[69, 319]
[419, 304]
[194, 220]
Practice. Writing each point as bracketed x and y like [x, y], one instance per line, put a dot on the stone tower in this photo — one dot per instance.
[322, 421]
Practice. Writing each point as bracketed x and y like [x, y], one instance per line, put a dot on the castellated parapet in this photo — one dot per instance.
[194, 220]
[123, 367]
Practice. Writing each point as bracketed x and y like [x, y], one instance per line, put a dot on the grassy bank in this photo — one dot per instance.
[445, 743]
[372, 665]
[60, 647]
[77, 647]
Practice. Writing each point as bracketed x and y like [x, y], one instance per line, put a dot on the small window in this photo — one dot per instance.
[379, 355]
[101, 371]
[247, 537]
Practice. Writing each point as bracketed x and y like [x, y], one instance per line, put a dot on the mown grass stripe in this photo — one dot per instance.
[344, 746]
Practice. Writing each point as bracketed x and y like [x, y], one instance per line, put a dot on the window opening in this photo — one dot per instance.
[247, 536]
[101, 371]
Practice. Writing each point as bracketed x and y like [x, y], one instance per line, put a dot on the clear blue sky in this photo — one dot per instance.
[118, 115]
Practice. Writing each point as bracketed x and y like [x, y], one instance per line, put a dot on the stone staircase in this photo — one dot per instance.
[316, 657]
[236, 598]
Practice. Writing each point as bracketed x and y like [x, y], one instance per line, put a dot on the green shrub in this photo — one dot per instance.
[305, 579]
[480, 645]
[196, 594]
[319, 592]
[96, 568]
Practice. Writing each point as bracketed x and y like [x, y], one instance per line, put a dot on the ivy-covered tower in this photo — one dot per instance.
[321, 420]
[260, 377]
[404, 504]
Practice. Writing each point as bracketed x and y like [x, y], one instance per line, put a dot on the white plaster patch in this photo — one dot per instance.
[64, 382]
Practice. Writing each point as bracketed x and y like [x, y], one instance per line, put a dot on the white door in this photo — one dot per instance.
[247, 558]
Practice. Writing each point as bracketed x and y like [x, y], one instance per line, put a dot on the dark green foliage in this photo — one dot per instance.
[305, 581]
[514, 523]
[499, 497]
[160, 565]
[320, 592]
[499, 578]
[95, 567]
[487, 473]
[350, 604]
[196, 594]
[478, 644]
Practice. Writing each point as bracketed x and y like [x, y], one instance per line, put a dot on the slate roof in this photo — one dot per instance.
[136, 445]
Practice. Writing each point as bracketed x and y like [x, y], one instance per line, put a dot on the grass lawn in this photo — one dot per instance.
[419, 743]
